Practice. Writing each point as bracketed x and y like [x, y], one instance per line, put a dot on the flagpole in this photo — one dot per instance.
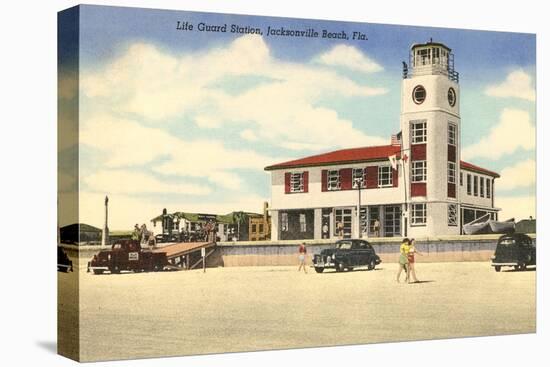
[405, 217]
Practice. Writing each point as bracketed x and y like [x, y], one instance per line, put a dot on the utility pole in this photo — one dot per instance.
[358, 183]
[105, 234]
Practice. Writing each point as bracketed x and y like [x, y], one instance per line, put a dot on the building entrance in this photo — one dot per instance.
[343, 221]
[392, 221]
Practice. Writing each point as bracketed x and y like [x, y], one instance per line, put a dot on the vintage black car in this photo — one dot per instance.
[347, 254]
[515, 250]
[64, 264]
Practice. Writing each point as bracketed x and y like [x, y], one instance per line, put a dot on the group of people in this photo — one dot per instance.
[143, 235]
[407, 252]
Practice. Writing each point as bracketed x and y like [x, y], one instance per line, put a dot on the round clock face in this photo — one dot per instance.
[419, 94]
[451, 96]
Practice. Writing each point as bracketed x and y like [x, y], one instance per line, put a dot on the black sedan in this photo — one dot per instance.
[515, 250]
[347, 254]
[64, 264]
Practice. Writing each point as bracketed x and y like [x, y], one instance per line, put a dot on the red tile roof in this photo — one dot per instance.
[356, 155]
[353, 155]
[474, 168]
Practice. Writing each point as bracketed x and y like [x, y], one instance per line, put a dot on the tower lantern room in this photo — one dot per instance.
[431, 58]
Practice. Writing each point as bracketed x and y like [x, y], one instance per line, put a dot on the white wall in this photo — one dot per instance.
[315, 198]
[471, 199]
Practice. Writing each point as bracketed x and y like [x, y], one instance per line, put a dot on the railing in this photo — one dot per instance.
[428, 70]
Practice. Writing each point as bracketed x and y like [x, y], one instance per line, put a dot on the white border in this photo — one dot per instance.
[28, 152]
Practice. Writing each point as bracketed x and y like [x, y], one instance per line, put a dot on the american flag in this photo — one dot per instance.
[396, 139]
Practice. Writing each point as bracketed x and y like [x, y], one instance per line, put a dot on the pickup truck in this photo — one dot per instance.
[127, 255]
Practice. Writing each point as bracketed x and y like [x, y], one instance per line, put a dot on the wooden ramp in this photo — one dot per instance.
[185, 255]
[183, 248]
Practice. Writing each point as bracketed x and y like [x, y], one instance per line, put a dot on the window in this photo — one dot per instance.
[452, 215]
[297, 182]
[489, 191]
[342, 222]
[461, 179]
[253, 229]
[333, 180]
[418, 131]
[452, 134]
[358, 176]
[303, 226]
[363, 220]
[260, 228]
[451, 97]
[481, 187]
[475, 185]
[422, 57]
[419, 94]
[419, 171]
[451, 172]
[384, 176]
[418, 214]
[284, 222]
[469, 184]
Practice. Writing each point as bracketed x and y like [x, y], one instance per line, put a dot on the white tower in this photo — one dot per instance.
[430, 124]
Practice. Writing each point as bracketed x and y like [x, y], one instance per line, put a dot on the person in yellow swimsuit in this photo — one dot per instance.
[403, 259]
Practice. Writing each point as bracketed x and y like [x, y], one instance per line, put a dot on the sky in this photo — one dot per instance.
[187, 120]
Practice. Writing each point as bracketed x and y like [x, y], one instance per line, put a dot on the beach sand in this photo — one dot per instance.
[258, 308]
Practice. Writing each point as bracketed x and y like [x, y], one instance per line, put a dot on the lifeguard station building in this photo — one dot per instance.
[417, 186]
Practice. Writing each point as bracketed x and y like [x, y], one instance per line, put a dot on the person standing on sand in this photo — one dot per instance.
[302, 251]
[410, 258]
[403, 259]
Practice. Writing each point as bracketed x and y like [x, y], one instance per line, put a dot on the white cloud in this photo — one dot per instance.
[249, 135]
[514, 131]
[128, 182]
[153, 84]
[349, 57]
[518, 207]
[522, 174]
[518, 84]
[125, 143]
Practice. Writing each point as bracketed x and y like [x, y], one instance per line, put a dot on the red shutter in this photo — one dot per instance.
[418, 189]
[324, 180]
[451, 153]
[306, 181]
[345, 178]
[418, 152]
[451, 190]
[395, 176]
[287, 182]
[372, 177]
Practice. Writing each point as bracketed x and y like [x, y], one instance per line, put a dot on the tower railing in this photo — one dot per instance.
[431, 69]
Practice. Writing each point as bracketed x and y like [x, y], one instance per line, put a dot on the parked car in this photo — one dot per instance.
[515, 250]
[64, 264]
[127, 255]
[347, 254]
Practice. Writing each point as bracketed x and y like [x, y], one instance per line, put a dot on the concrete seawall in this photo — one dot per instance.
[273, 253]
[439, 249]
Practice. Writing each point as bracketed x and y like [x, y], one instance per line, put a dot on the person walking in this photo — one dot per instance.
[403, 259]
[410, 257]
[302, 251]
